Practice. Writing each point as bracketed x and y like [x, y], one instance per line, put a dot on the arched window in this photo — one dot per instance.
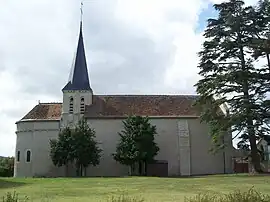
[28, 156]
[18, 156]
[82, 105]
[71, 105]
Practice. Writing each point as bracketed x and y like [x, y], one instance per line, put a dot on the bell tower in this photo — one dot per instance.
[77, 93]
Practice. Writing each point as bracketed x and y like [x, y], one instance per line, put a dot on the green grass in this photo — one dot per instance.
[150, 189]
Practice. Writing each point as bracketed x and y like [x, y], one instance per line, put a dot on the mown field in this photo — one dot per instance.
[150, 189]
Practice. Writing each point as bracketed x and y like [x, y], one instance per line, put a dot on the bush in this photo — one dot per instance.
[6, 166]
[13, 198]
[124, 198]
[237, 196]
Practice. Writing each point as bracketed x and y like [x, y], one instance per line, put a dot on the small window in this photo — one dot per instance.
[18, 156]
[71, 105]
[82, 105]
[28, 156]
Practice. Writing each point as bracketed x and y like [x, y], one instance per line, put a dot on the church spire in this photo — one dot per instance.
[78, 78]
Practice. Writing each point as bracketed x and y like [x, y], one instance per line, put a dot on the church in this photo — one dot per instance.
[183, 140]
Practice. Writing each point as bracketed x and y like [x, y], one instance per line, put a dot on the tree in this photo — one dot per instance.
[77, 146]
[260, 39]
[61, 148]
[230, 78]
[85, 147]
[137, 143]
[6, 166]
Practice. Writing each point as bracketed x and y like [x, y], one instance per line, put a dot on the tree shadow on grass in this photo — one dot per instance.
[5, 184]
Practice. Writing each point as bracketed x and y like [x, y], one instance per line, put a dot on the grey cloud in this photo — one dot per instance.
[38, 52]
[142, 65]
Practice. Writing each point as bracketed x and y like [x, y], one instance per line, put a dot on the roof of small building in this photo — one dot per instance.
[106, 106]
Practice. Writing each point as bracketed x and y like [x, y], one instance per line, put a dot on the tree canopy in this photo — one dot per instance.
[85, 148]
[137, 142]
[6, 166]
[78, 146]
[230, 76]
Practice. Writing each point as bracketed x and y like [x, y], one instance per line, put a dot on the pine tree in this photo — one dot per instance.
[260, 38]
[229, 77]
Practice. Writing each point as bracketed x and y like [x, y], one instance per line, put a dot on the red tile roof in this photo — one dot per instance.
[124, 105]
[48, 111]
[144, 105]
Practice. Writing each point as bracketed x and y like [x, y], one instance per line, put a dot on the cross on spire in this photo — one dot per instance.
[81, 10]
[78, 78]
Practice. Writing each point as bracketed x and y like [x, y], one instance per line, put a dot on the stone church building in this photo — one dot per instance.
[184, 141]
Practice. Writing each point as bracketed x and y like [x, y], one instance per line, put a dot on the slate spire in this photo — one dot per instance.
[78, 78]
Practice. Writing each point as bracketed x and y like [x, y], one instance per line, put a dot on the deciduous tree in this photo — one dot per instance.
[61, 148]
[77, 145]
[6, 166]
[85, 147]
[137, 143]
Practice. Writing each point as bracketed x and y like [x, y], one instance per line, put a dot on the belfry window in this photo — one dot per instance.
[71, 105]
[82, 105]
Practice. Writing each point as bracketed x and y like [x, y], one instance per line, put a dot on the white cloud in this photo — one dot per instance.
[151, 44]
[247, 2]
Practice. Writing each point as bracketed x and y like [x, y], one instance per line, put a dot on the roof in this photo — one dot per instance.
[48, 111]
[143, 105]
[106, 106]
[78, 78]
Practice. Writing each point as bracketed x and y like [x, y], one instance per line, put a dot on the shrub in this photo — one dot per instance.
[13, 198]
[124, 198]
[237, 196]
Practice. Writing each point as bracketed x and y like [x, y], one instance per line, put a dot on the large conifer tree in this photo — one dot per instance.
[230, 77]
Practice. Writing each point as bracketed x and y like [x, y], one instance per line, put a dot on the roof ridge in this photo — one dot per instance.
[45, 103]
[118, 95]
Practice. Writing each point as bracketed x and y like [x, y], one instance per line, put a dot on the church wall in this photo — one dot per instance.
[202, 161]
[35, 136]
[186, 155]
[107, 134]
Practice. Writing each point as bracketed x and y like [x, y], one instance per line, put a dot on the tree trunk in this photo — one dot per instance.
[78, 169]
[140, 168]
[81, 170]
[145, 168]
[250, 126]
[268, 60]
[66, 170]
[255, 157]
[85, 168]
[129, 170]
[132, 169]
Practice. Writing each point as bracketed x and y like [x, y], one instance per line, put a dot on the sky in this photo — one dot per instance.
[132, 47]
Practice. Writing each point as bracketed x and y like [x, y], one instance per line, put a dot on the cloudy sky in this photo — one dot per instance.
[132, 47]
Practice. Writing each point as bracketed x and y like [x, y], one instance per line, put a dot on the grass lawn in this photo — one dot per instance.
[151, 189]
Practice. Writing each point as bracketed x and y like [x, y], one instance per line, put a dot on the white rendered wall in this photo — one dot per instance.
[35, 136]
[186, 154]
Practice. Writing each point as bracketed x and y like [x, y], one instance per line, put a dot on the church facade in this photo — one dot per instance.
[184, 142]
